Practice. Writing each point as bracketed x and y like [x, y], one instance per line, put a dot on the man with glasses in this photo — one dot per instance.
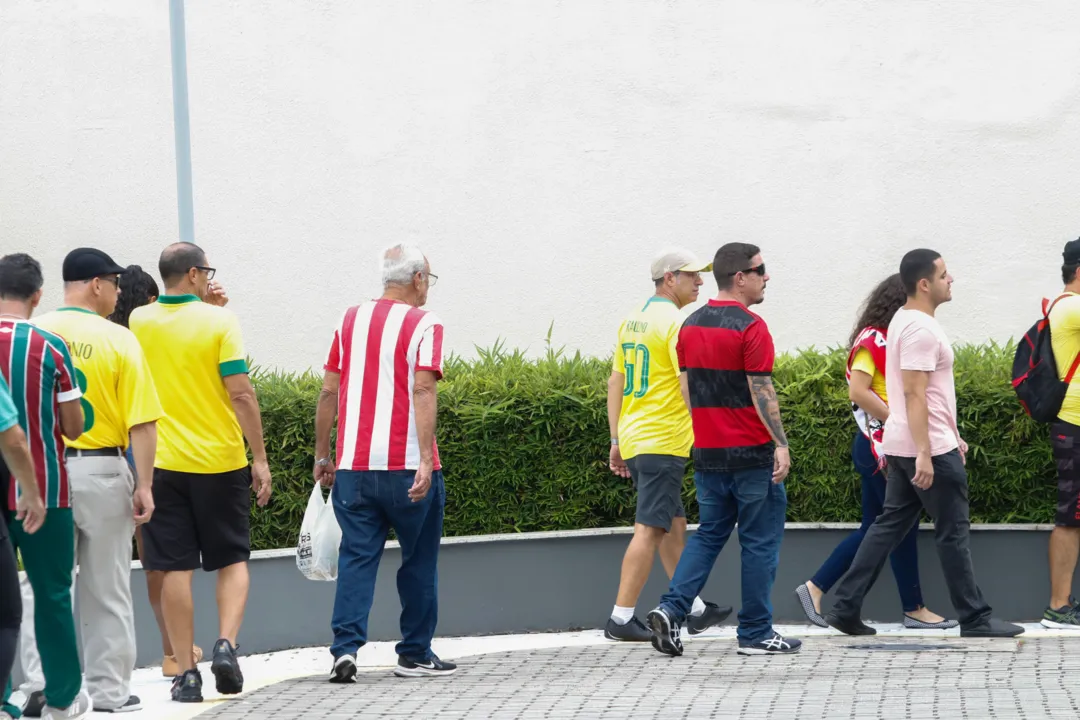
[740, 454]
[201, 476]
[118, 401]
[651, 436]
[381, 372]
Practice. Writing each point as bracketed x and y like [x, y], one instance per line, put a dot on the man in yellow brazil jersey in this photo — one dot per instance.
[651, 436]
[202, 481]
[118, 401]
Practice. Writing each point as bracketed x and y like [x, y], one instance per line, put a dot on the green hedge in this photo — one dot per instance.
[524, 444]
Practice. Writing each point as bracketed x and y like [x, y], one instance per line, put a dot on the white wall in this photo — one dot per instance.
[541, 151]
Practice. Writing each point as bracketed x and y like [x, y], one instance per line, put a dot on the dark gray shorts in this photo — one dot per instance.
[658, 480]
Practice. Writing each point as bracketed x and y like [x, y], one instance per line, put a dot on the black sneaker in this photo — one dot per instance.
[1064, 618]
[849, 625]
[632, 631]
[344, 670]
[35, 704]
[187, 687]
[713, 615]
[775, 645]
[666, 632]
[992, 628]
[133, 703]
[226, 668]
[432, 667]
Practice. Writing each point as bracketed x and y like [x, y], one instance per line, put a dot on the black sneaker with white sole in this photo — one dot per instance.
[344, 670]
[226, 668]
[133, 703]
[187, 687]
[711, 617]
[432, 667]
[775, 645]
[666, 632]
[632, 631]
[35, 704]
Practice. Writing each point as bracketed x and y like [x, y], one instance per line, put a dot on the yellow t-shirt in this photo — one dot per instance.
[654, 419]
[191, 346]
[864, 361]
[117, 388]
[1065, 338]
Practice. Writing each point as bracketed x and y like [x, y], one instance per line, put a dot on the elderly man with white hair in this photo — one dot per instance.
[381, 371]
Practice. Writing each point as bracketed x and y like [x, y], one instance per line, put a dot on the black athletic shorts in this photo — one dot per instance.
[199, 521]
[1065, 437]
[659, 480]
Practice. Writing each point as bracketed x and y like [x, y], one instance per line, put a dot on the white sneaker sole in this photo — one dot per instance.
[1050, 624]
[421, 672]
[759, 651]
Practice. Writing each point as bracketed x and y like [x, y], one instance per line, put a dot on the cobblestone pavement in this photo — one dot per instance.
[833, 677]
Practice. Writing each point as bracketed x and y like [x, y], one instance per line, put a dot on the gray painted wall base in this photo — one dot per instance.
[545, 582]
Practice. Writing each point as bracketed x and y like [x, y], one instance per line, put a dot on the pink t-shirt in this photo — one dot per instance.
[917, 342]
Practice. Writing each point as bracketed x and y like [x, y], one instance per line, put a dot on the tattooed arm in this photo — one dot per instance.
[768, 409]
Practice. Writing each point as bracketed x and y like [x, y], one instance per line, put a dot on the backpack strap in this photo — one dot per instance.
[1047, 307]
[1072, 369]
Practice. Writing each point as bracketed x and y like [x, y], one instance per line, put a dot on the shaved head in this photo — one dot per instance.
[177, 259]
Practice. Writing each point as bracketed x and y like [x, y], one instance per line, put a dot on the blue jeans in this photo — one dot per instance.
[367, 505]
[905, 559]
[750, 498]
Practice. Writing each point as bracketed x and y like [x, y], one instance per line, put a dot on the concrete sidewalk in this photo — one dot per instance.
[898, 673]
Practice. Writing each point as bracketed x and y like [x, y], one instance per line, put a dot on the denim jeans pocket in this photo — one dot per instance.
[348, 489]
[401, 482]
[753, 485]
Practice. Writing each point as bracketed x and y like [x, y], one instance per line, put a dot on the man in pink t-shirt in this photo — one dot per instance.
[925, 458]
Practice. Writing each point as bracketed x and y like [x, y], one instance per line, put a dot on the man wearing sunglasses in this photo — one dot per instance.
[740, 454]
[201, 475]
[118, 401]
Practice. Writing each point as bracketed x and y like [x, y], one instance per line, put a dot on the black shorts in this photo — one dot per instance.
[659, 481]
[199, 520]
[1065, 438]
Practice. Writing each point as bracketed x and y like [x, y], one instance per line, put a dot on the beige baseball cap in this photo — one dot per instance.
[677, 259]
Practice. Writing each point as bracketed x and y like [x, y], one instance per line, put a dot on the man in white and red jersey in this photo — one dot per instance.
[380, 384]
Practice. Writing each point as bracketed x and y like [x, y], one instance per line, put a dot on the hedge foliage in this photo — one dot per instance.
[524, 444]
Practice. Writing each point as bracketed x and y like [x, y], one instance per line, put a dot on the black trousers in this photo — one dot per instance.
[10, 599]
[947, 503]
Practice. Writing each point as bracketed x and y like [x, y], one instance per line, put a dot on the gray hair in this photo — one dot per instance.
[400, 263]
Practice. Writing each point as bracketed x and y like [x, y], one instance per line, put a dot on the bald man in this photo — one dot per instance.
[201, 475]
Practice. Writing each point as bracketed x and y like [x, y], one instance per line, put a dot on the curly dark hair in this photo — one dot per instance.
[879, 308]
[137, 288]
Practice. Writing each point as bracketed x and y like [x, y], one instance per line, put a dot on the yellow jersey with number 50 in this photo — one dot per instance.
[654, 419]
[117, 388]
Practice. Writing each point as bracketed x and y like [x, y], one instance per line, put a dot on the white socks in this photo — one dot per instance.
[698, 608]
[623, 615]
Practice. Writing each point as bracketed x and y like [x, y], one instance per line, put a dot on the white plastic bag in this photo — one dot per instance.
[320, 537]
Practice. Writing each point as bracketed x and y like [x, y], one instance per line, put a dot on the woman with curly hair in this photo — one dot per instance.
[869, 403]
[138, 288]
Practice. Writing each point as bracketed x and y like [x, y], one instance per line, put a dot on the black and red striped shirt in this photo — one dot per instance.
[719, 346]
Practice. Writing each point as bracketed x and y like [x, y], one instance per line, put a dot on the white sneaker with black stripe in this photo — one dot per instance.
[775, 645]
[344, 670]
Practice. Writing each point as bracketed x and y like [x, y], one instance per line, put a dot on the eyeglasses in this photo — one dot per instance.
[432, 279]
[759, 269]
[114, 279]
[210, 272]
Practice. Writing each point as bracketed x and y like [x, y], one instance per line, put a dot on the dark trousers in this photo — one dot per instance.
[367, 505]
[947, 503]
[10, 605]
[905, 559]
[750, 499]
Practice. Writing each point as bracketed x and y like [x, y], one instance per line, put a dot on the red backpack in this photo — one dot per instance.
[1035, 372]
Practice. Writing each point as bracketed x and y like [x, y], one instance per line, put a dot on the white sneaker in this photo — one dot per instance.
[79, 708]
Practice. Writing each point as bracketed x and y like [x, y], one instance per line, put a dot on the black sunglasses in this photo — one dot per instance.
[759, 269]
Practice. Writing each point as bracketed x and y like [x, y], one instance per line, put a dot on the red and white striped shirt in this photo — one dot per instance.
[377, 349]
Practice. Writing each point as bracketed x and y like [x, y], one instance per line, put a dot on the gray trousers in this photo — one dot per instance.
[101, 489]
[947, 503]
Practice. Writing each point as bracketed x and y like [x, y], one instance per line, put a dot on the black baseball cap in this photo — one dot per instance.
[1071, 253]
[87, 264]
